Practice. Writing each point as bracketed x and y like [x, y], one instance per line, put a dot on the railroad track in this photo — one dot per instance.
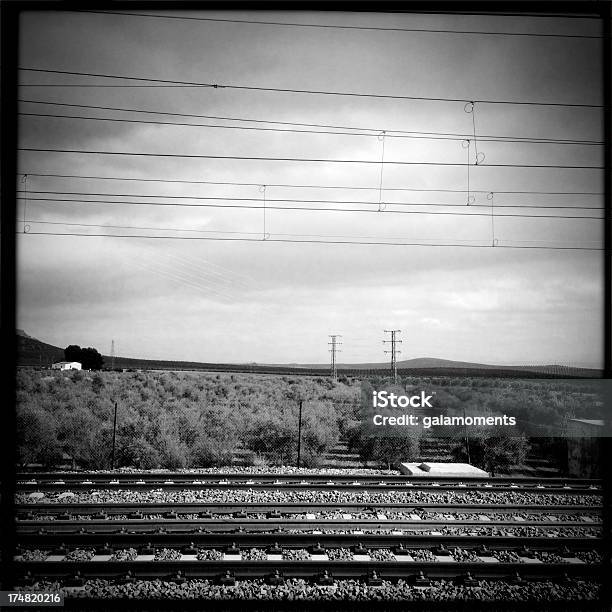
[346, 512]
[189, 569]
[244, 500]
[135, 536]
[177, 538]
[410, 556]
[58, 481]
[266, 514]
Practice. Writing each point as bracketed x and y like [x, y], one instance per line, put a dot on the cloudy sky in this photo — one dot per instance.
[182, 295]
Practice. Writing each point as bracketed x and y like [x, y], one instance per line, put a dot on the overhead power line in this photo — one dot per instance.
[338, 132]
[341, 27]
[309, 208]
[374, 131]
[155, 82]
[295, 200]
[283, 235]
[240, 127]
[148, 228]
[314, 241]
[294, 186]
[304, 159]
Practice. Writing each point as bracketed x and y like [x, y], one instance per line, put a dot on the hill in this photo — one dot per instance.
[418, 362]
[448, 367]
[33, 352]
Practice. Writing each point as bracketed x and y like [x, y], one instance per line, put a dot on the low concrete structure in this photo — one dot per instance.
[442, 470]
[585, 428]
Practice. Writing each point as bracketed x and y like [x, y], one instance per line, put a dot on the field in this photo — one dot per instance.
[198, 419]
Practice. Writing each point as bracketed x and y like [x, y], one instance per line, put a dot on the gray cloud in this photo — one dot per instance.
[234, 301]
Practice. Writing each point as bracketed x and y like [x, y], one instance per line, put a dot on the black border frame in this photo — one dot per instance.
[10, 11]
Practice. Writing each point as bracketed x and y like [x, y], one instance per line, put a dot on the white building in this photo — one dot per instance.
[66, 365]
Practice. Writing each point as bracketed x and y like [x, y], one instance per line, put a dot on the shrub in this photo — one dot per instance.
[210, 451]
[492, 449]
[77, 432]
[274, 437]
[36, 438]
[139, 454]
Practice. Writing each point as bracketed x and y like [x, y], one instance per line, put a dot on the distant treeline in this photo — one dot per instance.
[501, 372]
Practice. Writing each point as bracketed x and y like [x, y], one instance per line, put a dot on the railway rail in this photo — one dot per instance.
[406, 561]
[59, 545]
[305, 485]
[176, 538]
[144, 526]
[189, 569]
[205, 510]
[55, 480]
[297, 522]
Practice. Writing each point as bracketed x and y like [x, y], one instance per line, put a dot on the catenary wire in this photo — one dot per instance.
[313, 241]
[375, 131]
[296, 201]
[309, 208]
[199, 231]
[241, 127]
[415, 135]
[303, 159]
[155, 82]
[341, 27]
[287, 185]
[149, 228]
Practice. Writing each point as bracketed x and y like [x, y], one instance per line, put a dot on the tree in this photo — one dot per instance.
[73, 352]
[89, 358]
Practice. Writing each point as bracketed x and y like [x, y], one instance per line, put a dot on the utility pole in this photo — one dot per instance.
[114, 437]
[333, 350]
[112, 354]
[299, 436]
[394, 350]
